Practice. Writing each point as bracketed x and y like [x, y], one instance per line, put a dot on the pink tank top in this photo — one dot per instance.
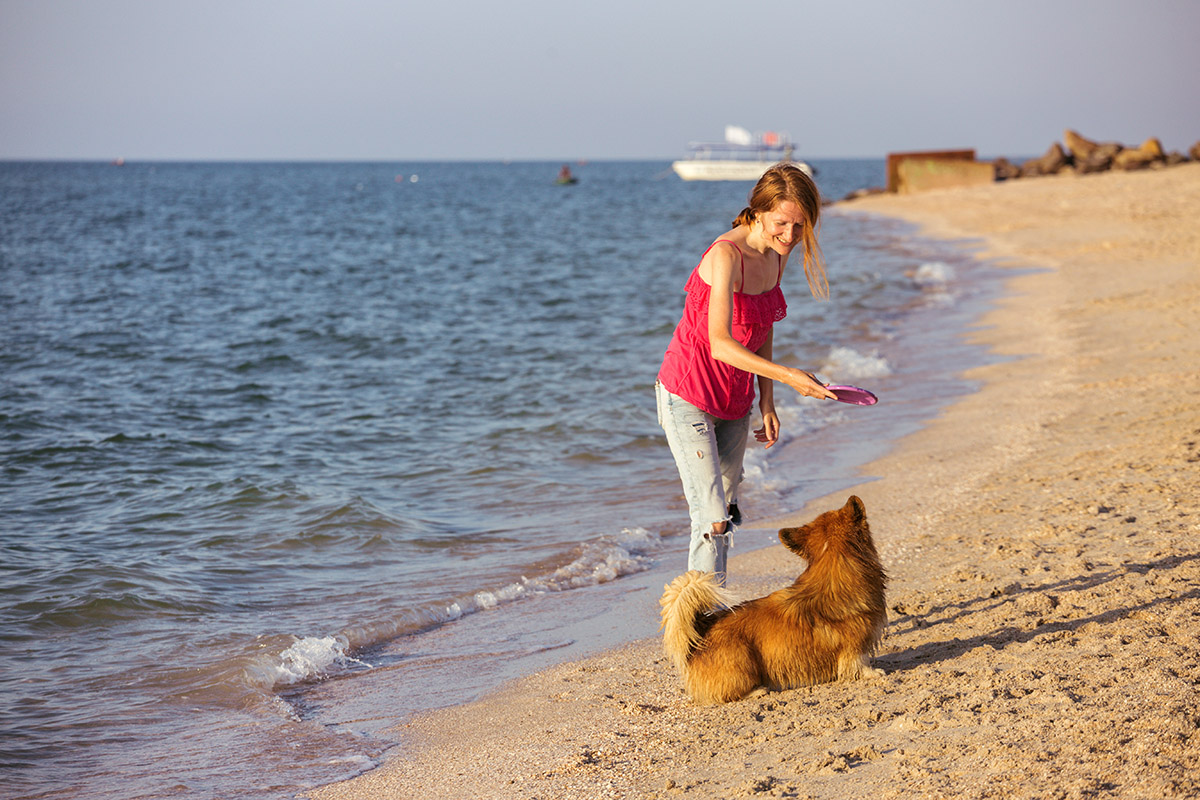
[688, 368]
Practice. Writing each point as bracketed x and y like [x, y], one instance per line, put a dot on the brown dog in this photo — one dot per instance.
[821, 628]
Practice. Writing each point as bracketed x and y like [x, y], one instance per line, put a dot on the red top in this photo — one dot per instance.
[688, 368]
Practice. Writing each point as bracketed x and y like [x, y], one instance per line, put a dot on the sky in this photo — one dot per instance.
[418, 80]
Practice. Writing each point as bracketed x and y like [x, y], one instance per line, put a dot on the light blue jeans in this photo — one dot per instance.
[708, 451]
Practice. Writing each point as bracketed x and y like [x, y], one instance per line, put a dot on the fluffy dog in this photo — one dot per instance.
[821, 628]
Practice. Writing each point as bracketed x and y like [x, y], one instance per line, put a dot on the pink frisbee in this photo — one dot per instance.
[853, 395]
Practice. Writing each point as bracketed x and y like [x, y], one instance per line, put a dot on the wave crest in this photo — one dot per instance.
[314, 657]
[846, 363]
[932, 274]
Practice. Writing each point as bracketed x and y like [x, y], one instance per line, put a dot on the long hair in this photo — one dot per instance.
[781, 183]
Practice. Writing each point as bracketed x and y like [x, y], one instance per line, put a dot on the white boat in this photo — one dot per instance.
[741, 157]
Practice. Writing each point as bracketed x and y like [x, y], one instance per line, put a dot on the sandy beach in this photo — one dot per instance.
[1042, 540]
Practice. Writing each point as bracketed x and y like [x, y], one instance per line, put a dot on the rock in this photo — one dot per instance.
[1131, 159]
[1080, 146]
[1153, 147]
[867, 192]
[1090, 156]
[1150, 153]
[1085, 165]
[1098, 159]
[1005, 169]
[1051, 162]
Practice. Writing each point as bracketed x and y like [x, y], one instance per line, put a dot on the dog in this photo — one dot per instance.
[822, 628]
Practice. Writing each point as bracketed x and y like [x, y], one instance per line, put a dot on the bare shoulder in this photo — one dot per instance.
[717, 264]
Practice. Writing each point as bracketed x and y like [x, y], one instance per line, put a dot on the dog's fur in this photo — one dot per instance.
[821, 628]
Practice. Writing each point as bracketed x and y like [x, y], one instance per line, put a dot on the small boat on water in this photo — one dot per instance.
[741, 157]
[565, 178]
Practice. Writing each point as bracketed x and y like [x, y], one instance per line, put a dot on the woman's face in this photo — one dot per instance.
[783, 227]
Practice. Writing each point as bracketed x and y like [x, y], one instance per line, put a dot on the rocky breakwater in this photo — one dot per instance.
[1083, 155]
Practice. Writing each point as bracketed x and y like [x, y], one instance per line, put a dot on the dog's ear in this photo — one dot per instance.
[792, 539]
[855, 508]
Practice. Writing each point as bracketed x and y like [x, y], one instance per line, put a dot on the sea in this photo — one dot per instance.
[293, 451]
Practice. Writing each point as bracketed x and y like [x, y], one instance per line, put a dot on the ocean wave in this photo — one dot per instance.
[933, 278]
[312, 657]
[932, 274]
[846, 363]
[308, 658]
[597, 562]
[606, 559]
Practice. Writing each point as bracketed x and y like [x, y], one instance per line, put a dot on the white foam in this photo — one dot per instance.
[934, 279]
[607, 558]
[845, 363]
[754, 465]
[933, 273]
[601, 561]
[311, 657]
[491, 599]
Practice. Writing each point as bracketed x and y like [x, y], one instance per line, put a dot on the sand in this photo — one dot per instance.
[1042, 540]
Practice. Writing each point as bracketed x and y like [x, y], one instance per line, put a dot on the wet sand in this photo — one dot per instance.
[1043, 541]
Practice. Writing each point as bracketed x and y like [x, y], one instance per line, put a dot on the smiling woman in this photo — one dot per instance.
[705, 387]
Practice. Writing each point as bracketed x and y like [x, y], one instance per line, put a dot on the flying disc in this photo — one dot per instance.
[853, 395]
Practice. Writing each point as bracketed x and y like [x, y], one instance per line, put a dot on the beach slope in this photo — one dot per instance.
[1041, 535]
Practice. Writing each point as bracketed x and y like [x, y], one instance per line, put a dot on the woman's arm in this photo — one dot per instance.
[768, 434]
[729, 350]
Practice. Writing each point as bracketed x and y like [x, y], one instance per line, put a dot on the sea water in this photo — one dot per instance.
[292, 450]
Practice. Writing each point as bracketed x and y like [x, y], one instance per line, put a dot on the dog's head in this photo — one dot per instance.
[841, 527]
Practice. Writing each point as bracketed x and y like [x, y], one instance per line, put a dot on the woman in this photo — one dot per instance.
[705, 387]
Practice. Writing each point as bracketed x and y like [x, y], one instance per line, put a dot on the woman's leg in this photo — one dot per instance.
[732, 436]
[692, 436]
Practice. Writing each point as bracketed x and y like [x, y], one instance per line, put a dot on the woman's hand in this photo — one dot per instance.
[768, 434]
[807, 384]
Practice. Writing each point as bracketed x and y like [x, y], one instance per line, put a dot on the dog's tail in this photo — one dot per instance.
[684, 602]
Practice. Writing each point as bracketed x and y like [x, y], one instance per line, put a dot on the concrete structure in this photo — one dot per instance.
[936, 169]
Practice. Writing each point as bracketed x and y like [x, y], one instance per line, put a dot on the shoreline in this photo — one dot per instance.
[1039, 535]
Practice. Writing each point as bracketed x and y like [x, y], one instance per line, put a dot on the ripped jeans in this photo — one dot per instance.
[708, 451]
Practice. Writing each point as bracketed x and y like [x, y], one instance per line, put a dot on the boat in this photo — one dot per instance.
[565, 178]
[741, 157]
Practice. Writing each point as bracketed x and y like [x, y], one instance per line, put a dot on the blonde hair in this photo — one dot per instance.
[779, 184]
